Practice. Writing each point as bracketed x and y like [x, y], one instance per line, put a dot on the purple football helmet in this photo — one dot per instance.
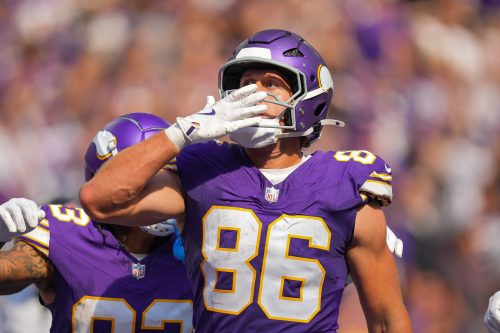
[303, 67]
[120, 133]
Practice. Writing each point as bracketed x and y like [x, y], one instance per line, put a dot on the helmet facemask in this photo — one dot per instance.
[231, 72]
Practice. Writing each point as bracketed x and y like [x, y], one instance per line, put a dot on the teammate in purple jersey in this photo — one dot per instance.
[271, 234]
[95, 277]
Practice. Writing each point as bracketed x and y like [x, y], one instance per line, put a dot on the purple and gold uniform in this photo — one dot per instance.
[272, 258]
[100, 287]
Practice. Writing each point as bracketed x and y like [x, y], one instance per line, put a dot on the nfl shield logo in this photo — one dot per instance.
[272, 194]
[138, 271]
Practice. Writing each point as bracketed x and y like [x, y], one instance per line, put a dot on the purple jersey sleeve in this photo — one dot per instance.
[39, 237]
[100, 285]
[369, 173]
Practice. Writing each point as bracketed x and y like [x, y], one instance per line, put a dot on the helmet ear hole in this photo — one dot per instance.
[319, 109]
[288, 117]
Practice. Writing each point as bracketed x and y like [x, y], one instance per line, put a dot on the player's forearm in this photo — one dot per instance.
[12, 287]
[396, 323]
[117, 185]
[401, 323]
[19, 268]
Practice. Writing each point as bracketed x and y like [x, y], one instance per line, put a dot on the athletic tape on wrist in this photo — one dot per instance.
[176, 136]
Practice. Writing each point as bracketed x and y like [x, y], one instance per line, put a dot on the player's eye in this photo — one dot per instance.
[246, 82]
[271, 83]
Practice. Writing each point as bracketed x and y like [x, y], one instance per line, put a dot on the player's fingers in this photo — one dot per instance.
[248, 122]
[398, 249]
[252, 111]
[209, 102]
[391, 240]
[17, 217]
[40, 214]
[241, 92]
[30, 211]
[495, 304]
[7, 220]
[492, 316]
[253, 99]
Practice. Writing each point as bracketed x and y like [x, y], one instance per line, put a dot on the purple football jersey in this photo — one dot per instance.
[100, 287]
[263, 257]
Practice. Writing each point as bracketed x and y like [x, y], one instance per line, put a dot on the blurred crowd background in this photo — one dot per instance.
[417, 82]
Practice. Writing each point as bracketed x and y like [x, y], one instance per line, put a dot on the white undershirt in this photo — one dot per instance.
[276, 176]
[139, 256]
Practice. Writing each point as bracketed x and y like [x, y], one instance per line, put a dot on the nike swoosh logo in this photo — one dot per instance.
[190, 130]
[211, 113]
[389, 170]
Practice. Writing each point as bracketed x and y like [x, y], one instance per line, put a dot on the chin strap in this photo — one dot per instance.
[323, 122]
[332, 122]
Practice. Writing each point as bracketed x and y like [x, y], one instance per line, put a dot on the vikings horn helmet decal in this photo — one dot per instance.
[120, 133]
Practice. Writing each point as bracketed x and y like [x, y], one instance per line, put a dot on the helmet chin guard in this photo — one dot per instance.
[161, 229]
[304, 69]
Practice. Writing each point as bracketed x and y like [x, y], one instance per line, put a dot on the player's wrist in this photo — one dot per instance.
[176, 135]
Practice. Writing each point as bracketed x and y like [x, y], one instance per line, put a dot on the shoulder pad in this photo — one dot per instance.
[370, 173]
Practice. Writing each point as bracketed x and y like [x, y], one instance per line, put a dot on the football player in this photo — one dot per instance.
[270, 233]
[96, 277]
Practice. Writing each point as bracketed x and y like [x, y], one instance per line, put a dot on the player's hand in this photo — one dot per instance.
[210, 101]
[237, 110]
[18, 216]
[492, 316]
[394, 244]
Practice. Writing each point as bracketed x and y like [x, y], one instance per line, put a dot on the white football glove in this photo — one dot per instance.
[210, 102]
[394, 244]
[492, 316]
[237, 110]
[18, 216]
